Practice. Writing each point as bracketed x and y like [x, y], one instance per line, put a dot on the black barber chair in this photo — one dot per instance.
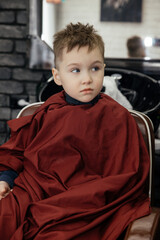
[47, 89]
[142, 91]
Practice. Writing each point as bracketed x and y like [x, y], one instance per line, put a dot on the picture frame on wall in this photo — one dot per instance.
[121, 10]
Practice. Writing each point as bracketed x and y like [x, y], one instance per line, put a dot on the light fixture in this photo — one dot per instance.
[148, 42]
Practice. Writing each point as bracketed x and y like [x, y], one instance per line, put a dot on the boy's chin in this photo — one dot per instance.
[86, 99]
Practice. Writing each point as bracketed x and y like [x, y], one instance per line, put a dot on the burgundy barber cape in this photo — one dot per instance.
[82, 172]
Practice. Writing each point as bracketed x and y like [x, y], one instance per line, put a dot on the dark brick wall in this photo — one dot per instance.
[16, 79]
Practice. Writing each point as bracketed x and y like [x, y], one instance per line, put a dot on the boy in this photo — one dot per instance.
[80, 159]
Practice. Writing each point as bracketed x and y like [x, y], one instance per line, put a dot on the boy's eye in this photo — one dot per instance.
[75, 70]
[94, 69]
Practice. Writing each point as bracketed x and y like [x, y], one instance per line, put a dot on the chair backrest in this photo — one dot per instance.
[145, 125]
[141, 90]
[29, 109]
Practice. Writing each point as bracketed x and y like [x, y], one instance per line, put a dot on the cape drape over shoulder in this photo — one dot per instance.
[82, 170]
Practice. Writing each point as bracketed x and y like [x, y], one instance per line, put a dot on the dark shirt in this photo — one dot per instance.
[74, 101]
[10, 175]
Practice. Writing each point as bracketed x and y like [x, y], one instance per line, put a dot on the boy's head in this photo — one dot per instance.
[76, 35]
[79, 59]
[136, 47]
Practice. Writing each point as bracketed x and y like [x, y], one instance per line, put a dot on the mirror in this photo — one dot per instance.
[115, 31]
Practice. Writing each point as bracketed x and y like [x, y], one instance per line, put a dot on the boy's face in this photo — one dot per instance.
[80, 73]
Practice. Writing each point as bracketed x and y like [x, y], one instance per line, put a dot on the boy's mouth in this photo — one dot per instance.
[87, 90]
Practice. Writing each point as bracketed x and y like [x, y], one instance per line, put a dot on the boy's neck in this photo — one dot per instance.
[74, 101]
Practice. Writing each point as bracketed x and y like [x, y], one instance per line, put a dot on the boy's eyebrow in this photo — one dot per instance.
[97, 61]
[76, 64]
[72, 64]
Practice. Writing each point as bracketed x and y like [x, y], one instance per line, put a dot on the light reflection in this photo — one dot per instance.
[148, 42]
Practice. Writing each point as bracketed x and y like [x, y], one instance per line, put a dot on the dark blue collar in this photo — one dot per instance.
[74, 101]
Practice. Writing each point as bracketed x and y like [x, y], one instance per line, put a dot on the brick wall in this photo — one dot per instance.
[17, 81]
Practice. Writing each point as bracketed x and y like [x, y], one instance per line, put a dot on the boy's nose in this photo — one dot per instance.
[87, 79]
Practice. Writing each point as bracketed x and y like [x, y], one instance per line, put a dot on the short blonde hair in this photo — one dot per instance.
[77, 35]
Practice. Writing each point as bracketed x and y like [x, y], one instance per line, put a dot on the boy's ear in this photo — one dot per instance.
[56, 76]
